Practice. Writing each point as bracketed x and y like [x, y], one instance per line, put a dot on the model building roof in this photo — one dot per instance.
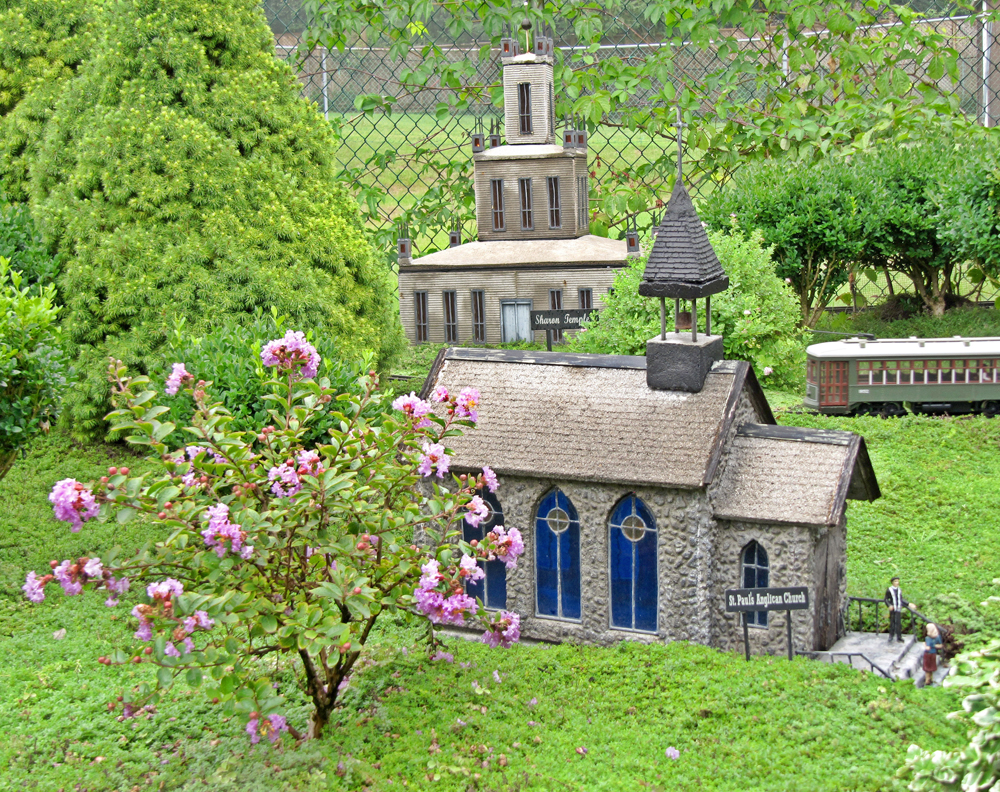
[591, 417]
[589, 249]
[682, 262]
[520, 151]
[786, 474]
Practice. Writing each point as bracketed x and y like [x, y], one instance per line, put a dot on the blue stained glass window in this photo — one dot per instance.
[492, 589]
[557, 544]
[633, 566]
[755, 575]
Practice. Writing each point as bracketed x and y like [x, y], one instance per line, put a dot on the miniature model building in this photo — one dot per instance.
[645, 487]
[534, 250]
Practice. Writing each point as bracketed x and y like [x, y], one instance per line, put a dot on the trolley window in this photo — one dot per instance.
[833, 383]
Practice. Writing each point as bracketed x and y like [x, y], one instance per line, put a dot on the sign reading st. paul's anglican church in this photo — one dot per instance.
[767, 599]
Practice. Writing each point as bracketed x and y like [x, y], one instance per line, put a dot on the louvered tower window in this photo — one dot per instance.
[555, 218]
[524, 107]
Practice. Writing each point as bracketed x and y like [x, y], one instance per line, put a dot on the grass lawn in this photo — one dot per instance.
[406, 722]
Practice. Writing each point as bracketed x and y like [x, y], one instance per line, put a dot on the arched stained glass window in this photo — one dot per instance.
[492, 589]
[633, 566]
[755, 575]
[557, 557]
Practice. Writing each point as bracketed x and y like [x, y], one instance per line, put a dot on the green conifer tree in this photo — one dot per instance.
[182, 175]
[42, 44]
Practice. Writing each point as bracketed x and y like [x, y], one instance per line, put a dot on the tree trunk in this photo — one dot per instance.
[7, 460]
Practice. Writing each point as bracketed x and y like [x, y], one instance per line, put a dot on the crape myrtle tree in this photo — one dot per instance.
[790, 79]
[274, 547]
[181, 175]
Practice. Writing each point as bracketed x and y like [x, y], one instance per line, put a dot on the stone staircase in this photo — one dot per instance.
[874, 653]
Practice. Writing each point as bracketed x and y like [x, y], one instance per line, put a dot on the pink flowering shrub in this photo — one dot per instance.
[275, 547]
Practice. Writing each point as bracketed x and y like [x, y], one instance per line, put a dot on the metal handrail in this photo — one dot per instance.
[872, 666]
[863, 601]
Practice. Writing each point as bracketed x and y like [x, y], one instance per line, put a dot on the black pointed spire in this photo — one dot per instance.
[682, 262]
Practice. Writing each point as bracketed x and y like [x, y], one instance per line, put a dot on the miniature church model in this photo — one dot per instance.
[645, 487]
[534, 249]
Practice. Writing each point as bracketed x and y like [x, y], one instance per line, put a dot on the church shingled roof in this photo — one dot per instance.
[682, 262]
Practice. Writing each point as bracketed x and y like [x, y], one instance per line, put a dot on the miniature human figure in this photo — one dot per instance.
[931, 644]
[894, 599]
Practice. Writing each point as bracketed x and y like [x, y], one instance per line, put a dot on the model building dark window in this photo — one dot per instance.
[555, 219]
[555, 304]
[492, 589]
[756, 573]
[450, 316]
[587, 299]
[557, 556]
[582, 202]
[524, 107]
[524, 189]
[479, 316]
[420, 314]
[633, 566]
[496, 202]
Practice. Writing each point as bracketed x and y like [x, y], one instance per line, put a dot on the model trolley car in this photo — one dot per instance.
[887, 376]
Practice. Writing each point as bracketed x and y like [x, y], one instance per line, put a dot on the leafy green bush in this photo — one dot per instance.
[32, 365]
[228, 356]
[181, 175]
[21, 245]
[757, 315]
[809, 216]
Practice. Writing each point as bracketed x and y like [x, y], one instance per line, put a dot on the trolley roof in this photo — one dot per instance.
[905, 348]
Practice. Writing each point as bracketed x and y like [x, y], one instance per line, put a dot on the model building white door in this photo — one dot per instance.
[515, 320]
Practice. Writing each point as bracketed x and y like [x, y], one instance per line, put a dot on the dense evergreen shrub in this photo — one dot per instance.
[32, 364]
[42, 45]
[182, 176]
[757, 315]
[228, 356]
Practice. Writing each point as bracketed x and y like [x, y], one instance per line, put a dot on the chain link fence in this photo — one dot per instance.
[334, 80]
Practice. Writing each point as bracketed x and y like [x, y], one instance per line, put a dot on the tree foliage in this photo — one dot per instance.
[756, 315]
[181, 175]
[273, 548]
[32, 364]
[791, 79]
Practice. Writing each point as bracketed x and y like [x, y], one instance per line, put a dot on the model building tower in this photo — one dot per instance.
[534, 249]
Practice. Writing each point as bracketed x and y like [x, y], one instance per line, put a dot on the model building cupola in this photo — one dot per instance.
[683, 265]
[528, 92]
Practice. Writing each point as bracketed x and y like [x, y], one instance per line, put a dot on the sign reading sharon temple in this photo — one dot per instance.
[767, 599]
[560, 320]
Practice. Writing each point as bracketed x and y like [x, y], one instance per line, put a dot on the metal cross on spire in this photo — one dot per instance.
[680, 144]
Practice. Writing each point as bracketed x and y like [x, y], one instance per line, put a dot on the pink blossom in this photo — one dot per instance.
[454, 608]
[165, 589]
[768, 371]
[414, 408]
[496, 677]
[291, 352]
[673, 753]
[270, 727]
[440, 394]
[466, 404]
[73, 503]
[220, 530]
[67, 579]
[478, 511]
[504, 632]
[170, 650]
[286, 480]
[176, 379]
[188, 645]
[199, 619]
[33, 589]
[93, 568]
[430, 603]
[433, 458]
[431, 576]
[490, 478]
[145, 631]
[117, 588]
[470, 570]
[510, 544]
[309, 464]
[448, 657]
